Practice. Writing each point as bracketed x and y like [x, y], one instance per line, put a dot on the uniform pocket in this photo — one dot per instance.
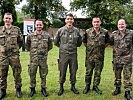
[64, 38]
[128, 41]
[13, 40]
[31, 70]
[34, 43]
[102, 40]
[2, 40]
[45, 43]
[75, 39]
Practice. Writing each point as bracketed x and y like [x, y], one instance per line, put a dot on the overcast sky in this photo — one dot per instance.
[65, 3]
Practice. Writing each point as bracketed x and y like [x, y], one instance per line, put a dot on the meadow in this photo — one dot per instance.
[106, 85]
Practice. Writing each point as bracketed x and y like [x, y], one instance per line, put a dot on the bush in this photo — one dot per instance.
[57, 23]
[19, 24]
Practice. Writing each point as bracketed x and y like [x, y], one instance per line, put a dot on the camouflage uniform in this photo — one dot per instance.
[10, 42]
[38, 45]
[95, 46]
[122, 57]
[68, 40]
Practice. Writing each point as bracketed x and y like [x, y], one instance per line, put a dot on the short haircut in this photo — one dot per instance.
[69, 14]
[96, 17]
[8, 13]
[123, 20]
[38, 20]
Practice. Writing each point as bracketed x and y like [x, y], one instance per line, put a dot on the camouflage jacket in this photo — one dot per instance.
[38, 45]
[95, 44]
[68, 40]
[122, 46]
[10, 40]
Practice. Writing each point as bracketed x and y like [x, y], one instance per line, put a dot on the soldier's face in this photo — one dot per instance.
[96, 22]
[39, 25]
[121, 25]
[8, 19]
[69, 21]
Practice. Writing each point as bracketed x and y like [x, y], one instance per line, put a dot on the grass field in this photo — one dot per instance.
[106, 85]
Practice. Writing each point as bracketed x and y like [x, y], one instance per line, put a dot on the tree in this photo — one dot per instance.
[108, 10]
[42, 9]
[9, 6]
[129, 13]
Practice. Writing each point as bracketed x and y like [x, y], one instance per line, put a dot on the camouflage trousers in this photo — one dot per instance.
[43, 71]
[97, 67]
[14, 62]
[127, 72]
[64, 61]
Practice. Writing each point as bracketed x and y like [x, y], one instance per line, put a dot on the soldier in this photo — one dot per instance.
[95, 40]
[11, 40]
[122, 41]
[38, 43]
[68, 39]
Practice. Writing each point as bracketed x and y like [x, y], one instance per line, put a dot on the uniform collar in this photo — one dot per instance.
[126, 31]
[35, 33]
[4, 28]
[69, 30]
[100, 30]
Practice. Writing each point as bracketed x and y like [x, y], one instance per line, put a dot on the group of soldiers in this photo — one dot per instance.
[67, 38]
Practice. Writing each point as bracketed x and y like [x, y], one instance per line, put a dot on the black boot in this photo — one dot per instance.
[87, 88]
[74, 89]
[3, 93]
[95, 88]
[117, 91]
[32, 92]
[61, 90]
[127, 95]
[44, 92]
[18, 92]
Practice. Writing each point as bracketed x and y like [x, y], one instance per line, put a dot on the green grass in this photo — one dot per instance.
[106, 85]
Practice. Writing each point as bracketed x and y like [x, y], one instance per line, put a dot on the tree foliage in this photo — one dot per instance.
[9, 6]
[40, 9]
[129, 13]
[108, 10]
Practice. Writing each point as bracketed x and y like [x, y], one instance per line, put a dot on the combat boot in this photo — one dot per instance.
[117, 91]
[74, 89]
[32, 92]
[44, 92]
[87, 88]
[18, 92]
[3, 93]
[95, 88]
[127, 95]
[61, 90]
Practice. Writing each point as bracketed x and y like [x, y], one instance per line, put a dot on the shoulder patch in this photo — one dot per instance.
[31, 34]
[131, 31]
[114, 31]
[15, 27]
[105, 30]
[46, 33]
[88, 30]
[1, 27]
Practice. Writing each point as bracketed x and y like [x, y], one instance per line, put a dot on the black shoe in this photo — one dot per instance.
[2, 94]
[44, 92]
[87, 88]
[32, 92]
[95, 88]
[116, 91]
[60, 91]
[127, 95]
[18, 92]
[74, 89]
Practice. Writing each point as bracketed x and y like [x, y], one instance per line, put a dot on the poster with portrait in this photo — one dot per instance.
[28, 26]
